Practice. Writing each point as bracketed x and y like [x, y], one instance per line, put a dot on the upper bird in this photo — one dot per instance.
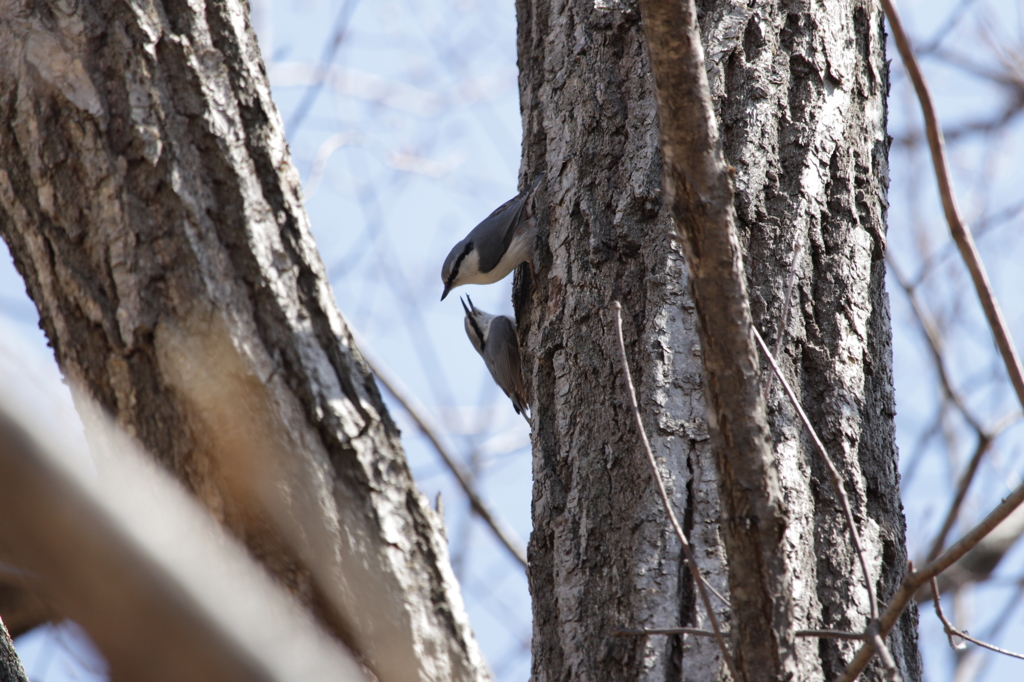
[496, 246]
[496, 340]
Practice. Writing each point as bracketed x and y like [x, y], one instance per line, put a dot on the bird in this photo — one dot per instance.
[496, 340]
[495, 247]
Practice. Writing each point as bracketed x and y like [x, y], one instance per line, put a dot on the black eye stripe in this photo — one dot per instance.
[458, 262]
[476, 329]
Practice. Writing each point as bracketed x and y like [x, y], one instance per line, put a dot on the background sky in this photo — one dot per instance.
[413, 135]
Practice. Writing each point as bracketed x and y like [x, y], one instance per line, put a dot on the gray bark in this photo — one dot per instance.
[147, 196]
[799, 92]
[11, 669]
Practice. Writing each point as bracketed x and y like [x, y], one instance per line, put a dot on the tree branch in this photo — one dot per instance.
[915, 579]
[699, 193]
[952, 631]
[505, 535]
[961, 234]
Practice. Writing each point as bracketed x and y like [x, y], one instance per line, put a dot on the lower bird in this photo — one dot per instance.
[496, 340]
[495, 247]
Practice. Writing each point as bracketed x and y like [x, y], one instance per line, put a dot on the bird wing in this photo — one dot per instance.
[503, 361]
[494, 233]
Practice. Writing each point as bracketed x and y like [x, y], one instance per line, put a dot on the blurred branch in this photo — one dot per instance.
[961, 234]
[935, 344]
[951, 22]
[985, 440]
[160, 588]
[419, 415]
[984, 224]
[333, 42]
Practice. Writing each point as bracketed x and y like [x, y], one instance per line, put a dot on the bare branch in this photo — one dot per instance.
[961, 234]
[637, 632]
[984, 443]
[952, 631]
[133, 559]
[643, 632]
[915, 579]
[699, 193]
[931, 334]
[505, 535]
[687, 550]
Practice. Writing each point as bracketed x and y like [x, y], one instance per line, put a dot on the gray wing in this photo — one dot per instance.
[494, 233]
[502, 359]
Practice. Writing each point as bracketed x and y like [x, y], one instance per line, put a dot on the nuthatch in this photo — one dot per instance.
[495, 339]
[496, 246]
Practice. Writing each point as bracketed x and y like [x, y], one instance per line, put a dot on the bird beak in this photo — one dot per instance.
[471, 306]
[464, 307]
[447, 288]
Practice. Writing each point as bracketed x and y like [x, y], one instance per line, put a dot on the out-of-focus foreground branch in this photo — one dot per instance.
[157, 584]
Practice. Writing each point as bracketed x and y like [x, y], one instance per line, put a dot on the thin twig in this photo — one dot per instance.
[642, 632]
[687, 550]
[961, 234]
[833, 474]
[915, 579]
[638, 632]
[985, 439]
[873, 636]
[832, 634]
[337, 36]
[931, 334]
[984, 443]
[419, 415]
[952, 631]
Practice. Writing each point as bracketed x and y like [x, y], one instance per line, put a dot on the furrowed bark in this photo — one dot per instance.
[799, 96]
[11, 669]
[699, 194]
[148, 198]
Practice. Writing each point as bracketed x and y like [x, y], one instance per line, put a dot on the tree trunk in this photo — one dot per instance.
[11, 669]
[800, 92]
[147, 196]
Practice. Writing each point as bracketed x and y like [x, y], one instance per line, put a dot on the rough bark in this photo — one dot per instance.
[699, 194]
[799, 92]
[147, 196]
[11, 669]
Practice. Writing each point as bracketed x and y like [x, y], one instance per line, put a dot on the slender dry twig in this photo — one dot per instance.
[931, 334]
[873, 628]
[687, 550]
[425, 424]
[642, 632]
[833, 634]
[961, 234]
[952, 631]
[915, 579]
[637, 632]
[984, 443]
[833, 473]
